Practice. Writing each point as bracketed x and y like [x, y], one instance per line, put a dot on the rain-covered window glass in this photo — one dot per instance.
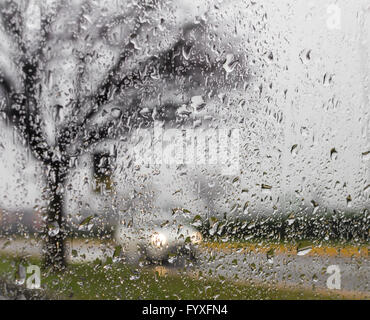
[184, 149]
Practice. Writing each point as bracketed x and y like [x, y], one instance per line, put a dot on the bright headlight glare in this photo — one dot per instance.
[158, 240]
[196, 237]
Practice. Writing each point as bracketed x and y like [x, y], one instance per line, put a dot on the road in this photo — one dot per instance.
[279, 269]
[289, 270]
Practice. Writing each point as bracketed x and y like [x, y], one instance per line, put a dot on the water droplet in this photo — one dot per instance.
[349, 200]
[366, 156]
[86, 224]
[197, 103]
[246, 208]
[303, 250]
[115, 112]
[308, 55]
[186, 51]
[333, 154]
[230, 63]
[291, 219]
[135, 276]
[270, 255]
[294, 150]
[266, 186]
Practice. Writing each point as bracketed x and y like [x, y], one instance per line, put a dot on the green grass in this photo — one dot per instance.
[118, 281]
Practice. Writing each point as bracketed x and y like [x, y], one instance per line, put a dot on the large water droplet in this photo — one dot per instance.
[53, 229]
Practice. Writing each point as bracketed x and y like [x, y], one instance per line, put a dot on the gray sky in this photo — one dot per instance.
[319, 78]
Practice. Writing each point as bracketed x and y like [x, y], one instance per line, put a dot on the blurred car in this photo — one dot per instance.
[164, 239]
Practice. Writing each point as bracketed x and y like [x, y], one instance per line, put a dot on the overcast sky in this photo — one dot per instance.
[320, 84]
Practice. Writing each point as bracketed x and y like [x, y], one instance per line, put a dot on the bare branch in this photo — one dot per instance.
[169, 66]
[21, 108]
[12, 21]
[112, 128]
[19, 113]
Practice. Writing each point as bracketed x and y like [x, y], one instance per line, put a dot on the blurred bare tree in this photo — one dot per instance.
[74, 73]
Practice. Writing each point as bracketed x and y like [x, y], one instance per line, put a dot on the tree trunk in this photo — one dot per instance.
[54, 247]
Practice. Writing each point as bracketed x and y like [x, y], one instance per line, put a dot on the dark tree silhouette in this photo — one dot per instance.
[100, 68]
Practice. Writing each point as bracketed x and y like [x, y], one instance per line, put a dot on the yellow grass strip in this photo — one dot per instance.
[323, 251]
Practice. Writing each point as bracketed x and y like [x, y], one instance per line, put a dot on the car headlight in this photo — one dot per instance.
[158, 240]
[196, 237]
